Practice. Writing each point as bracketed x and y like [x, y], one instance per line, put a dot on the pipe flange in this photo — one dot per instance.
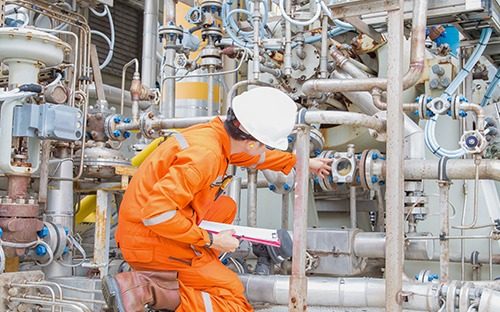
[56, 237]
[473, 142]
[145, 123]
[305, 68]
[211, 5]
[110, 124]
[326, 184]
[451, 296]
[464, 297]
[214, 32]
[380, 136]
[455, 107]
[370, 172]
[172, 33]
[194, 15]
[317, 142]
[438, 106]
[422, 102]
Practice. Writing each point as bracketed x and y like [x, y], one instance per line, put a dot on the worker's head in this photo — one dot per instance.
[261, 118]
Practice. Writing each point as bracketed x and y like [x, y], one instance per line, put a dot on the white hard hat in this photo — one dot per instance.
[267, 114]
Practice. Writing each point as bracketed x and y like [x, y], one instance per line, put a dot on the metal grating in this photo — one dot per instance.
[128, 22]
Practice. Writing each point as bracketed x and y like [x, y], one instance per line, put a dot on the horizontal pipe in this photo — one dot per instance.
[345, 118]
[112, 95]
[456, 169]
[338, 292]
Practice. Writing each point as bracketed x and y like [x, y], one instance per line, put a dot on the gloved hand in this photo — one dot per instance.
[225, 242]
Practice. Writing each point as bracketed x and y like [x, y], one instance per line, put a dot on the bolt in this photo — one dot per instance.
[117, 119]
[449, 99]
[374, 179]
[286, 187]
[428, 99]
[462, 114]
[429, 113]
[66, 230]
[126, 120]
[41, 250]
[448, 113]
[417, 99]
[375, 156]
[316, 180]
[291, 139]
[1, 232]
[272, 187]
[116, 133]
[416, 112]
[43, 232]
[317, 152]
[66, 250]
[126, 134]
[381, 183]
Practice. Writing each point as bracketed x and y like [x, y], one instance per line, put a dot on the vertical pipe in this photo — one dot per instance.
[352, 206]
[235, 193]
[256, 39]
[168, 86]
[60, 203]
[379, 227]
[230, 80]
[298, 281]
[285, 207]
[149, 40]
[252, 198]
[287, 62]
[394, 180]
[444, 258]
[102, 231]
[44, 172]
[323, 62]
[210, 99]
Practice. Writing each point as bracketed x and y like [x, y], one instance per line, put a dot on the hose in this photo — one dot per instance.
[430, 127]
[491, 88]
[110, 42]
[231, 26]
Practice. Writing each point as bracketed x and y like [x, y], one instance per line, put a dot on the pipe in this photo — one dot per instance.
[377, 100]
[44, 172]
[112, 95]
[149, 35]
[298, 281]
[323, 61]
[256, 19]
[352, 207]
[234, 191]
[478, 110]
[345, 118]
[285, 208]
[444, 260]
[338, 292]
[252, 198]
[456, 169]
[133, 61]
[287, 61]
[413, 74]
[167, 107]
[477, 161]
[394, 178]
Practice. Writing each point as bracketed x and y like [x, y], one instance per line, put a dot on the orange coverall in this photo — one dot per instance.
[172, 192]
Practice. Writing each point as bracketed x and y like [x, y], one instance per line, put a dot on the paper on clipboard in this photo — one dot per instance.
[255, 235]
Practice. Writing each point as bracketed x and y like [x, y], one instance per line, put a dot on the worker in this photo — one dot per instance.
[176, 263]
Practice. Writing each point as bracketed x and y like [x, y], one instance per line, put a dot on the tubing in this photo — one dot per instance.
[456, 169]
[345, 118]
[491, 88]
[111, 42]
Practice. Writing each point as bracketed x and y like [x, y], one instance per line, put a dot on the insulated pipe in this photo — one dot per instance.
[345, 118]
[456, 169]
[413, 74]
[394, 178]
[338, 292]
[149, 35]
[252, 198]
[298, 281]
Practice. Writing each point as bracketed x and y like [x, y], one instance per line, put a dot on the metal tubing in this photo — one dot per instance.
[323, 61]
[210, 100]
[394, 178]
[456, 169]
[287, 61]
[345, 118]
[149, 35]
[234, 191]
[413, 74]
[42, 301]
[478, 110]
[44, 172]
[124, 70]
[298, 281]
[444, 259]
[256, 19]
[377, 100]
[167, 107]
[352, 207]
[338, 292]
[252, 198]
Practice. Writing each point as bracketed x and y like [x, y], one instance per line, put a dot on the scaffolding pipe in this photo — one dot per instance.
[252, 198]
[149, 40]
[338, 292]
[456, 169]
[394, 179]
[413, 74]
[298, 281]
[345, 118]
